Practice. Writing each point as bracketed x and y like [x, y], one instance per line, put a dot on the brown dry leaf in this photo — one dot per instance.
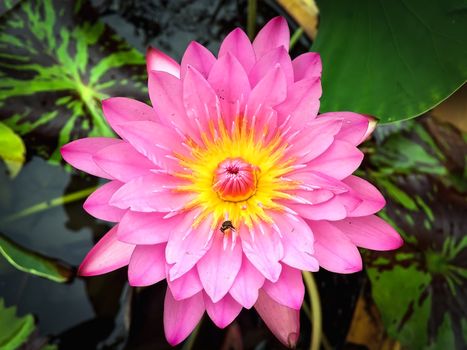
[454, 109]
[367, 328]
[305, 12]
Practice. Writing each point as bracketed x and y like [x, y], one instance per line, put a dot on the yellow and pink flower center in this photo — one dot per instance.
[235, 180]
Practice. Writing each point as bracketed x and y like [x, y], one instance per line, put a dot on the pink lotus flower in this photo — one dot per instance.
[231, 184]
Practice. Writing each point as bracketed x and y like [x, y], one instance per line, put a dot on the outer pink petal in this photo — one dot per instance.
[307, 66]
[312, 180]
[123, 162]
[219, 267]
[334, 251]
[157, 60]
[185, 286]
[274, 34]
[200, 100]
[107, 255]
[153, 140]
[198, 56]
[313, 140]
[166, 94]
[181, 317]
[246, 284]
[147, 265]
[284, 322]
[264, 250]
[230, 82]
[146, 228]
[97, 204]
[370, 232]
[340, 160]
[118, 110]
[151, 193]
[187, 245]
[289, 289]
[297, 239]
[278, 56]
[79, 154]
[372, 200]
[309, 196]
[332, 209]
[354, 126]
[301, 105]
[238, 44]
[223, 312]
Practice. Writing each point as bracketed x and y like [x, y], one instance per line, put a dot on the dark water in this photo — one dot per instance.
[103, 312]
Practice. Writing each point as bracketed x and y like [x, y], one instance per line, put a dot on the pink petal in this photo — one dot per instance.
[238, 44]
[79, 154]
[282, 321]
[264, 250]
[245, 286]
[154, 192]
[370, 232]
[146, 228]
[223, 312]
[178, 323]
[199, 99]
[274, 34]
[119, 110]
[340, 160]
[312, 180]
[157, 60]
[107, 255]
[153, 140]
[278, 56]
[334, 251]
[301, 105]
[313, 140]
[354, 126]
[165, 92]
[97, 204]
[332, 209]
[307, 66]
[372, 200]
[230, 82]
[219, 266]
[198, 56]
[187, 245]
[123, 162]
[289, 289]
[147, 265]
[185, 286]
[309, 196]
[270, 90]
[297, 239]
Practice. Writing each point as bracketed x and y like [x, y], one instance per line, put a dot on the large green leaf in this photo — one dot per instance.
[12, 149]
[57, 62]
[34, 263]
[421, 289]
[14, 330]
[391, 59]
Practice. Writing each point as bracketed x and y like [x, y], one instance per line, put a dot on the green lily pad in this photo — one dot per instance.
[34, 263]
[57, 62]
[12, 149]
[14, 330]
[421, 289]
[391, 59]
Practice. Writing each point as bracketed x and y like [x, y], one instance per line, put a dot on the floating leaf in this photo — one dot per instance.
[34, 263]
[12, 149]
[57, 62]
[14, 330]
[421, 289]
[391, 59]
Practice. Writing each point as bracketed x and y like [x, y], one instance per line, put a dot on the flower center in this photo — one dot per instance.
[235, 180]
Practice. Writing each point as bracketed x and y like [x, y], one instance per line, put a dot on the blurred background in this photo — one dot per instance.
[395, 60]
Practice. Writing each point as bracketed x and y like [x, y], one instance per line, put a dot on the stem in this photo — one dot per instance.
[295, 36]
[315, 305]
[49, 204]
[251, 19]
